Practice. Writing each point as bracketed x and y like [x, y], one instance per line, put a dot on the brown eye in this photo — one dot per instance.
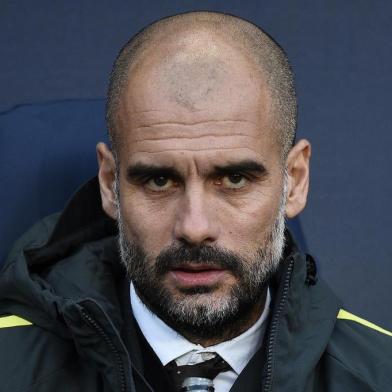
[160, 181]
[234, 181]
[160, 184]
[235, 178]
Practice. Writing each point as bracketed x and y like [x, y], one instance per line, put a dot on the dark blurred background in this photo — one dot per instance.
[55, 60]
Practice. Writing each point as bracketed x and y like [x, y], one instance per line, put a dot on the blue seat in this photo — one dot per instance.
[48, 150]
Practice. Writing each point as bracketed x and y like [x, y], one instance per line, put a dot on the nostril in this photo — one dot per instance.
[186, 241]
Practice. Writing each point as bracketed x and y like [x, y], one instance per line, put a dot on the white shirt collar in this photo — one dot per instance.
[169, 345]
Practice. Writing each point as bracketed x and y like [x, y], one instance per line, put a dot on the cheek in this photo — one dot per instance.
[251, 220]
[147, 223]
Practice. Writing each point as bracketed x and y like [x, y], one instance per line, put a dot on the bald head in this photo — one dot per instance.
[191, 60]
[190, 79]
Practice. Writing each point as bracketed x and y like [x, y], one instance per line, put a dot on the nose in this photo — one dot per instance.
[196, 223]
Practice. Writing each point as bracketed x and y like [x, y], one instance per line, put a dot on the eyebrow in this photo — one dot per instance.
[248, 166]
[140, 170]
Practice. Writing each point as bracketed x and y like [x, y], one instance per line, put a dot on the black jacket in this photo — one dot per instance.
[66, 325]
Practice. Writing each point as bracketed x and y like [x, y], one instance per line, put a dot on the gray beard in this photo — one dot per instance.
[197, 311]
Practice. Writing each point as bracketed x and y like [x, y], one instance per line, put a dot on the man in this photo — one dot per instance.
[205, 281]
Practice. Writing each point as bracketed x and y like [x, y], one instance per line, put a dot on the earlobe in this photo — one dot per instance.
[297, 164]
[106, 177]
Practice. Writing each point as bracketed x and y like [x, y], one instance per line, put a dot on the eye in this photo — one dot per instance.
[233, 181]
[160, 183]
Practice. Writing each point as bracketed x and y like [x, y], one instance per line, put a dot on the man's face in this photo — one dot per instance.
[200, 186]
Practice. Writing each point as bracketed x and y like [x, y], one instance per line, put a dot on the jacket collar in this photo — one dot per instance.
[84, 209]
[82, 220]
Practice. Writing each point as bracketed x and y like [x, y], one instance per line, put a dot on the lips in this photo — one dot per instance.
[189, 275]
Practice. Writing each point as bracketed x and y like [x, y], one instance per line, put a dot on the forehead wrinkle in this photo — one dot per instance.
[136, 112]
[132, 112]
[154, 117]
[191, 137]
[197, 142]
[170, 114]
[193, 150]
[191, 123]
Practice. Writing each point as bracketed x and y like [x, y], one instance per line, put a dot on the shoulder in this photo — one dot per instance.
[31, 356]
[359, 354]
[35, 237]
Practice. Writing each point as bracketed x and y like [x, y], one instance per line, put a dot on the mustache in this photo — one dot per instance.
[176, 256]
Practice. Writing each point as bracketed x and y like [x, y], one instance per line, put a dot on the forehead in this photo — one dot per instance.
[198, 141]
[195, 96]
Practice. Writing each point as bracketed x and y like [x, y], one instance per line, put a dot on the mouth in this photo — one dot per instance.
[191, 275]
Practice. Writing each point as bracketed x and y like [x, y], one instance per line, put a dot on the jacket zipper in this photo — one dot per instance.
[275, 327]
[112, 347]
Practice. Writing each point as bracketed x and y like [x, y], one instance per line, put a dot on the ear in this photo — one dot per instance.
[298, 178]
[106, 177]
